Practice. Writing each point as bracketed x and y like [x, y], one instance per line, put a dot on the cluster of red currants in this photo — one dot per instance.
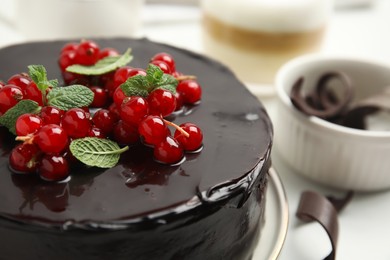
[128, 118]
[46, 135]
[50, 139]
[18, 87]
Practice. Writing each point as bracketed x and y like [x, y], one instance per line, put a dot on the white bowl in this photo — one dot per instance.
[328, 153]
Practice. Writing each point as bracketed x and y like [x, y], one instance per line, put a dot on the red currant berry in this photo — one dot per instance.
[104, 120]
[121, 75]
[161, 102]
[24, 158]
[115, 110]
[51, 139]
[66, 59]
[190, 90]
[194, 141]
[107, 78]
[137, 71]
[96, 132]
[10, 95]
[100, 97]
[168, 151]
[179, 101]
[108, 52]
[72, 160]
[134, 109]
[28, 124]
[87, 53]
[33, 93]
[162, 65]
[70, 46]
[110, 87]
[125, 134]
[87, 112]
[21, 80]
[51, 115]
[76, 123]
[73, 78]
[153, 130]
[118, 96]
[53, 168]
[167, 58]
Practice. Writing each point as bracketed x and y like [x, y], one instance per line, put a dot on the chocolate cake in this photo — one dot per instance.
[209, 207]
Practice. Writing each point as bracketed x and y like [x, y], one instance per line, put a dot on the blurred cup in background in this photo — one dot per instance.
[56, 19]
[255, 37]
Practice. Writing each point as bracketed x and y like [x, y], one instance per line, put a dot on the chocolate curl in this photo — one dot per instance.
[339, 204]
[322, 102]
[315, 207]
[355, 117]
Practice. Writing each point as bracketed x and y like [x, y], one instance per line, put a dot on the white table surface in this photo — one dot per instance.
[362, 32]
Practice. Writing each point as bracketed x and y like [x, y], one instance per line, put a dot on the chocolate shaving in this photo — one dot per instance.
[315, 207]
[355, 117]
[322, 102]
[340, 203]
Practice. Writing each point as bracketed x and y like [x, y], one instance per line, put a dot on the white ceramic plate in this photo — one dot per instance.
[274, 230]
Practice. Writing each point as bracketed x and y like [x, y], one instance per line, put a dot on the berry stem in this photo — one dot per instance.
[27, 139]
[185, 77]
[181, 130]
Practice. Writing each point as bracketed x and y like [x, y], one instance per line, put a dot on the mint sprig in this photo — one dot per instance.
[103, 66]
[69, 97]
[142, 85]
[22, 107]
[98, 152]
[38, 74]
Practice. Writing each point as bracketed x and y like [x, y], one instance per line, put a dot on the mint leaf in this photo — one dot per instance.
[69, 97]
[98, 152]
[39, 75]
[22, 107]
[53, 83]
[168, 82]
[102, 66]
[135, 86]
[153, 75]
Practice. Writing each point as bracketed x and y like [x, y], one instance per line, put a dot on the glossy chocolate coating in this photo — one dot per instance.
[209, 205]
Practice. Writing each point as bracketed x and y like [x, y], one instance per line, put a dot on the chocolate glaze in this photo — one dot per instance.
[208, 206]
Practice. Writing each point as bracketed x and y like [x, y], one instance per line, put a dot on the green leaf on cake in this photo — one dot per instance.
[155, 78]
[168, 82]
[69, 97]
[22, 107]
[97, 152]
[135, 86]
[53, 83]
[153, 75]
[38, 74]
[103, 66]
